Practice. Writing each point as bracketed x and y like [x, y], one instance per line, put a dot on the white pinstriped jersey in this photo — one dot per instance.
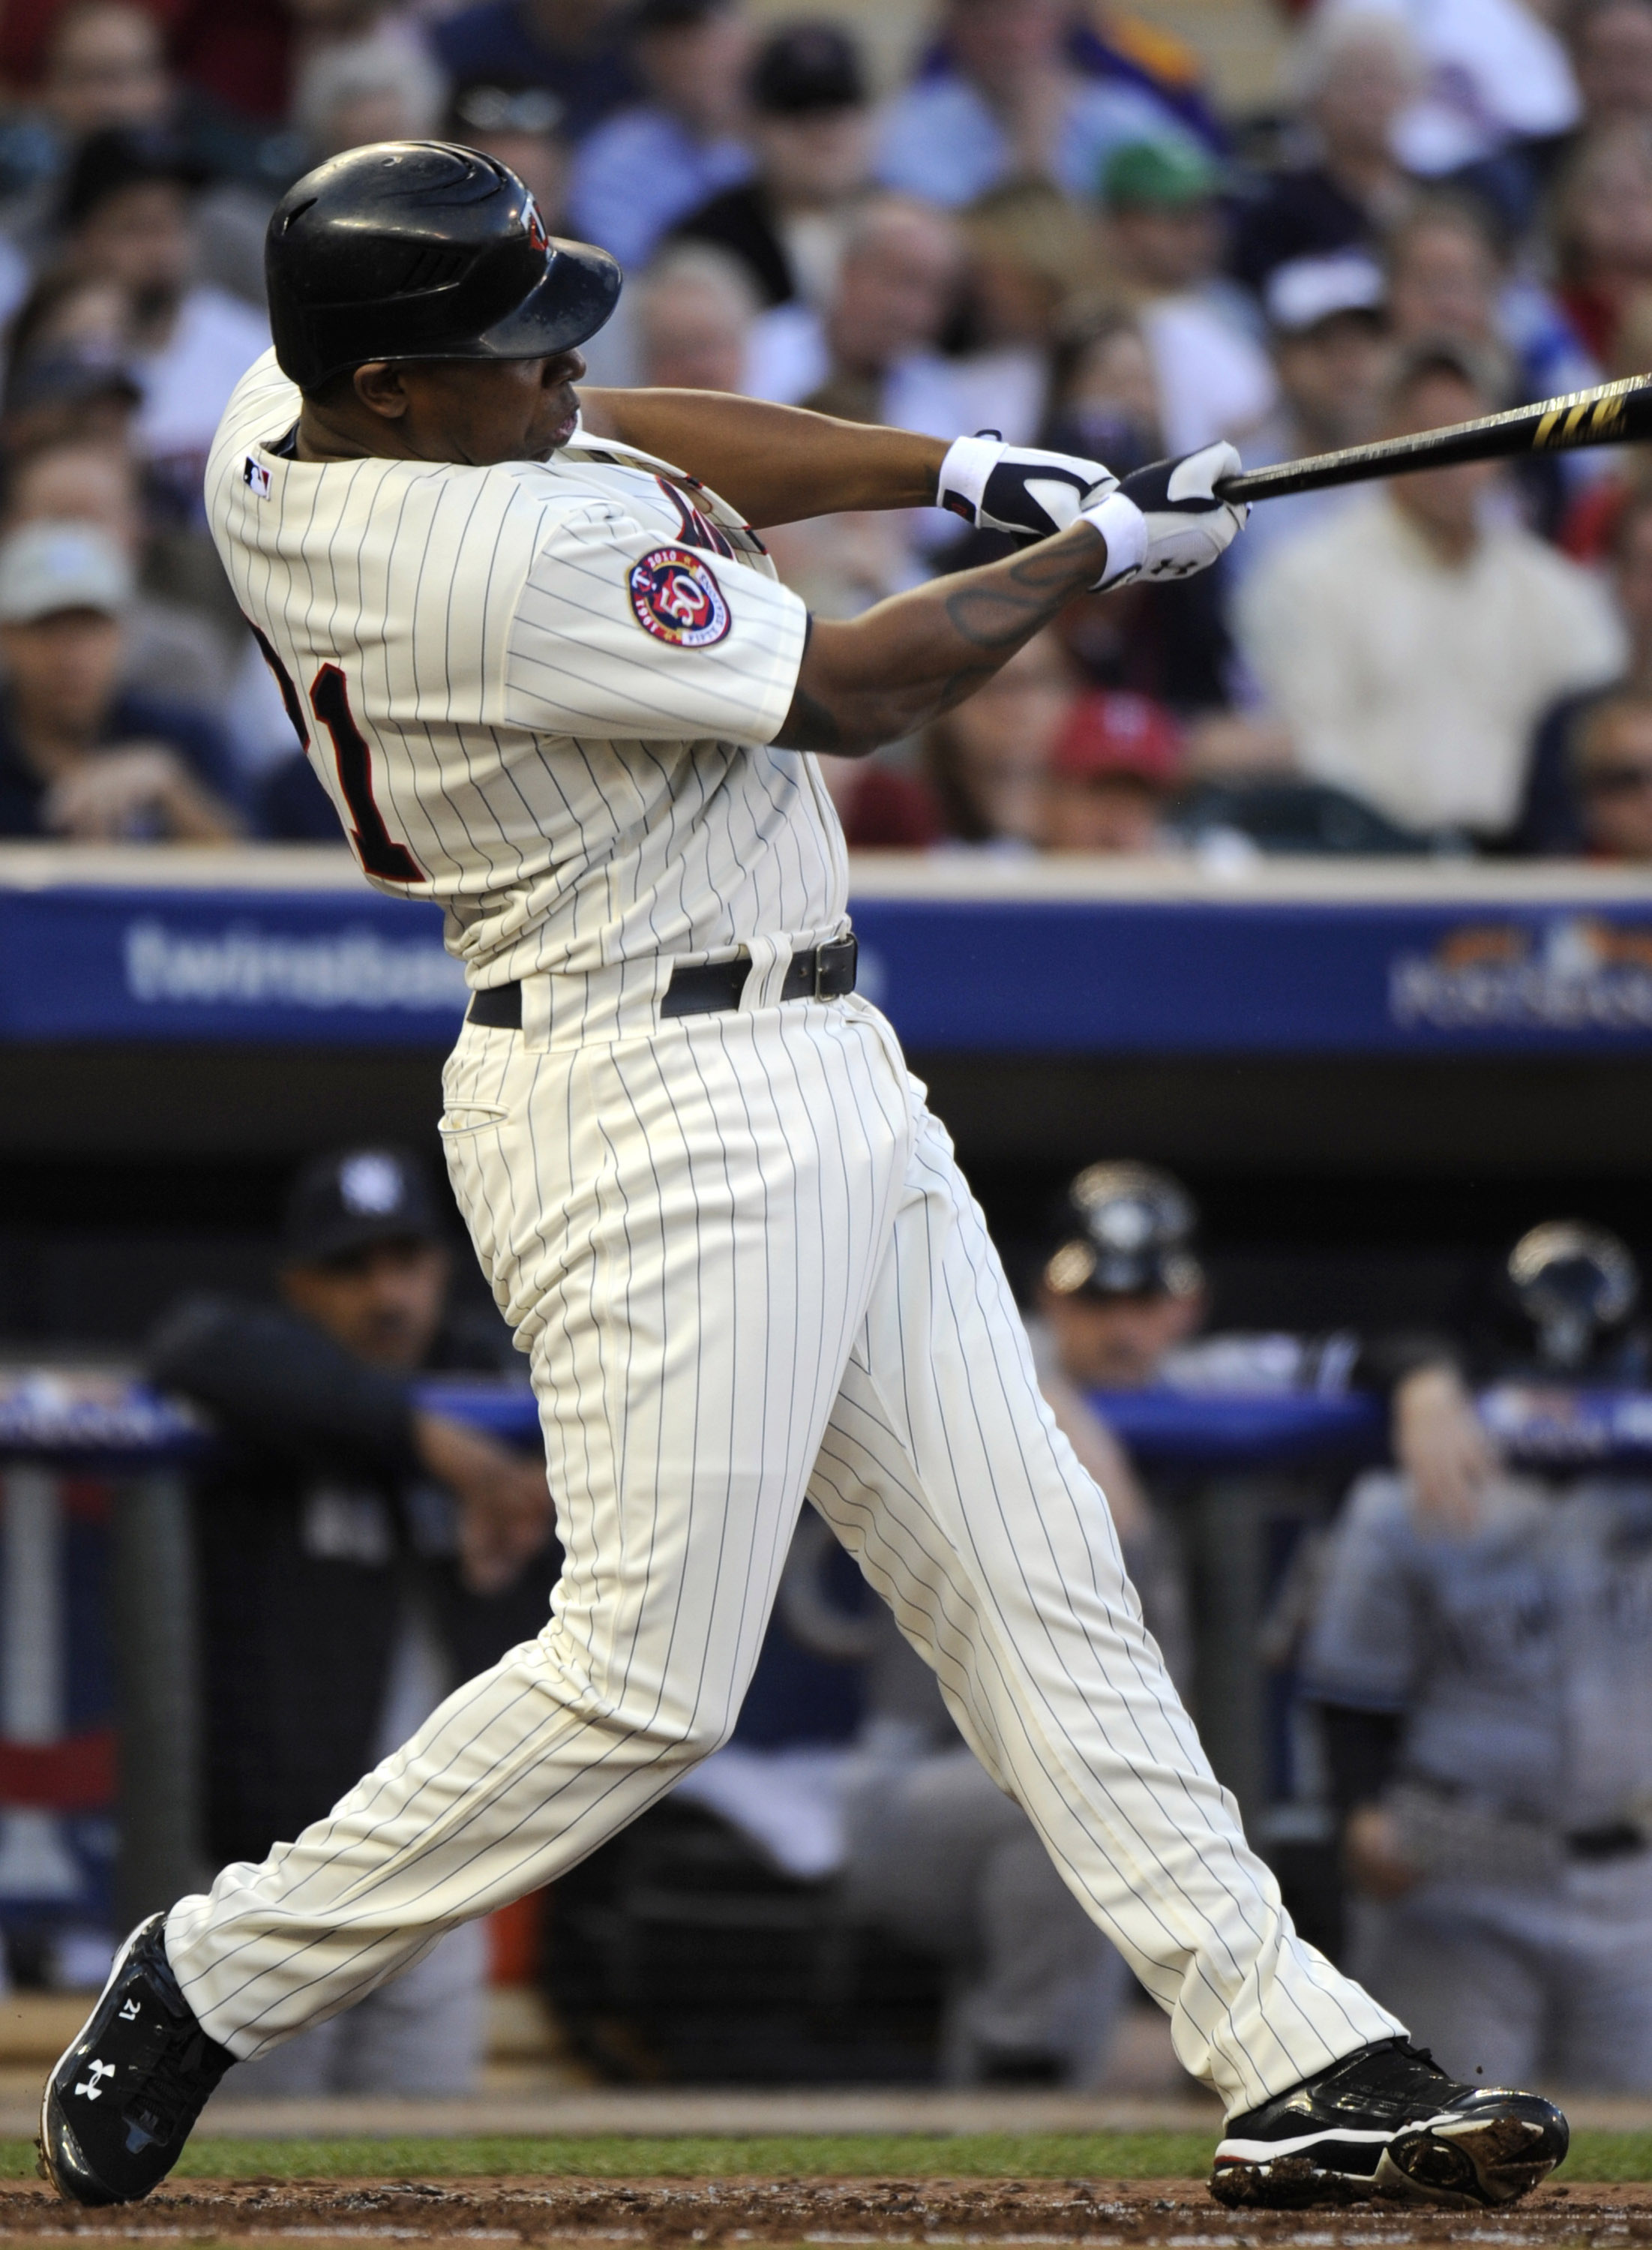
[539, 693]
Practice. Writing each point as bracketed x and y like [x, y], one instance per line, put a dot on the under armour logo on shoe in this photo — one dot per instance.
[89, 2085]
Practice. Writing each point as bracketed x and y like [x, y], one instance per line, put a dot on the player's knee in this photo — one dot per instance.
[706, 1731]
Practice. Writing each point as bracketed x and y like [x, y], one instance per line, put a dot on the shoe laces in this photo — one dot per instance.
[1393, 2074]
[175, 2086]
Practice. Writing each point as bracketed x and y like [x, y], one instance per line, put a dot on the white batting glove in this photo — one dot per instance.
[1017, 488]
[1183, 527]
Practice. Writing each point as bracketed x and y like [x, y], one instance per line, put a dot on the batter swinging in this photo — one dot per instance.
[549, 678]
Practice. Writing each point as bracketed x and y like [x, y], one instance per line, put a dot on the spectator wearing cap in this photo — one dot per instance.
[171, 653]
[574, 49]
[1410, 644]
[128, 220]
[1164, 238]
[359, 1553]
[1115, 762]
[1326, 325]
[1005, 100]
[1353, 74]
[524, 128]
[80, 757]
[647, 167]
[808, 124]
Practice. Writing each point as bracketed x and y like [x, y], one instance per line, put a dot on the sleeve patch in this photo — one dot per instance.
[675, 597]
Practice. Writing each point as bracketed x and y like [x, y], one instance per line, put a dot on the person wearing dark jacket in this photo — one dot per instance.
[358, 1554]
[810, 131]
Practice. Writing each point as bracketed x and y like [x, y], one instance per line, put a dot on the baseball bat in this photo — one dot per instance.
[1612, 414]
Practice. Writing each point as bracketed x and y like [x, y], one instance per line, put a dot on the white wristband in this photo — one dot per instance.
[1124, 526]
[964, 473]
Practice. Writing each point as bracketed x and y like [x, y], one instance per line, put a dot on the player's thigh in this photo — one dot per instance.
[943, 1472]
[683, 1230]
[1463, 1983]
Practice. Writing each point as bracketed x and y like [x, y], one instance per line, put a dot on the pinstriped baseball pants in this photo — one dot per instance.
[746, 1268]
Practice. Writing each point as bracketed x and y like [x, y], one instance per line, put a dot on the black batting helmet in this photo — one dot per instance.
[1130, 1234]
[418, 250]
[1572, 1281]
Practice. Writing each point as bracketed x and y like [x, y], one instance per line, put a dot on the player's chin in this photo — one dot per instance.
[546, 442]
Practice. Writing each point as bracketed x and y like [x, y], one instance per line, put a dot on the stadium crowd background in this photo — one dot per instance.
[1025, 215]
[1055, 221]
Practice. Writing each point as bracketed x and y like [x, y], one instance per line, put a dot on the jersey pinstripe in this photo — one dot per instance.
[735, 1246]
[527, 723]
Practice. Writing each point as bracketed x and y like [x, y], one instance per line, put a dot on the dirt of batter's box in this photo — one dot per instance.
[1177, 2214]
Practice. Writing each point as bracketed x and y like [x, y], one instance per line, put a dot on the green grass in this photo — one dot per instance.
[801, 2155]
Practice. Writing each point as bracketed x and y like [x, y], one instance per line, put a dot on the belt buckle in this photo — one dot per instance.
[826, 959]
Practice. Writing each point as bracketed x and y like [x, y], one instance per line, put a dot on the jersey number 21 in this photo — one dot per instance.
[375, 847]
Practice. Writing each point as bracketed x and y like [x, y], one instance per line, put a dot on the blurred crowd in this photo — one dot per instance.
[1049, 226]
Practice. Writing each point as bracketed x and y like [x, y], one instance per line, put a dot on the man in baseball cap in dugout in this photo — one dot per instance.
[358, 1555]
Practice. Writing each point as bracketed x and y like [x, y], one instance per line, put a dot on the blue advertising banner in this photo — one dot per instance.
[1140, 977]
[997, 975]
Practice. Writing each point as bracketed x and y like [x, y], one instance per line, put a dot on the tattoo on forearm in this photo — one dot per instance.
[1039, 586]
[995, 611]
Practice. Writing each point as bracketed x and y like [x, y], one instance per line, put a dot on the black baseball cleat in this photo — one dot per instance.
[1387, 2121]
[119, 2106]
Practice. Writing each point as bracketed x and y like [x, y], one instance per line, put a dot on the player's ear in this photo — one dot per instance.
[380, 387]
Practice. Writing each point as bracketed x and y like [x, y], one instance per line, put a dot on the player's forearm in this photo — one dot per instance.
[879, 676]
[774, 464]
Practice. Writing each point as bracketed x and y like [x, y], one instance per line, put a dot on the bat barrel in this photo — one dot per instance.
[1615, 414]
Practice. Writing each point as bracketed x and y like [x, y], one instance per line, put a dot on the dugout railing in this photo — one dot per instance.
[98, 1698]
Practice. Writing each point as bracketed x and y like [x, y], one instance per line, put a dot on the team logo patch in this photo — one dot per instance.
[675, 598]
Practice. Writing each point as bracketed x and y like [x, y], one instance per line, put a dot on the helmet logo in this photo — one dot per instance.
[535, 225]
[675, 597]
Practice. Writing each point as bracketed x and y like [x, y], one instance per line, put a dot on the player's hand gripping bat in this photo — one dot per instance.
[1613, 414]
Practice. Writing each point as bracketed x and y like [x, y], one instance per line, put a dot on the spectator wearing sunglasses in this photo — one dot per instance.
[1584, 749]
[1612, 770]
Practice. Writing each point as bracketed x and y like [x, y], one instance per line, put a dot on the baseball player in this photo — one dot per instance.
[545, 671]
[1485, 1677]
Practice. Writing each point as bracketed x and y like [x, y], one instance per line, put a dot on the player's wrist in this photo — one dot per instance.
[1124, 526]
[961, 485]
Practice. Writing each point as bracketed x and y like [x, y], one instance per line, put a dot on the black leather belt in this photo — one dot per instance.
[1617, 1840]
[1613, 1839]
[707, 988]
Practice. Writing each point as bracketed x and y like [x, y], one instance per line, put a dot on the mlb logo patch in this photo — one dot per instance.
[256, 478]
[675, 597]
